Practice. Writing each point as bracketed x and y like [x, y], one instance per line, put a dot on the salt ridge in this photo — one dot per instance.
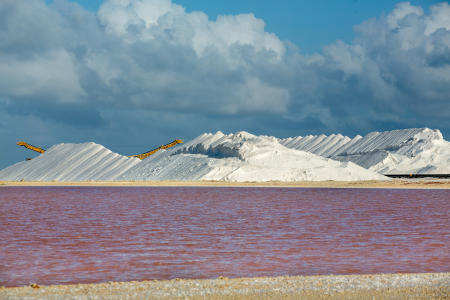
[245, 157]
[415, 150]
[233, 157]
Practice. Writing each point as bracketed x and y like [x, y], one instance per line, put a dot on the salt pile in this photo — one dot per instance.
[234, 157]
[416, 150]
[243, 157]
[71, 162]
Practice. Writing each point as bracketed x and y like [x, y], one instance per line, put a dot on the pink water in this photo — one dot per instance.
[56, 235]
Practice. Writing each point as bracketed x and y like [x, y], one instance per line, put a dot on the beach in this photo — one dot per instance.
[381, 286]
[425, 183]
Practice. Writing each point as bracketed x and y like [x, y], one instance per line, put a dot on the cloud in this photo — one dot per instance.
[50, 75]
[396, 69]
[98, 74]
[161, 19]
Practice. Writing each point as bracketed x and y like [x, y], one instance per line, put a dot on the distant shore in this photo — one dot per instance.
[381, 286]
[425, 183]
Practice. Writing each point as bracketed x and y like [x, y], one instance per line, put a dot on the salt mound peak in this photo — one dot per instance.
[242, 157]
[71, 162]
[407, 141]
[321, 145]
[410, 140]
[427, 153]
[414, 150]
[220, 145]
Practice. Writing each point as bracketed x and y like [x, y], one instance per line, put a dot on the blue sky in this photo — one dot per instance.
[135, 74]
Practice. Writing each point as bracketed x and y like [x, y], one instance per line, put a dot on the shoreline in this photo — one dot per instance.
[427, 183]
[398, 286]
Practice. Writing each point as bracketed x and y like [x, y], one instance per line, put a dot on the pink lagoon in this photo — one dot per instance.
[61, 235]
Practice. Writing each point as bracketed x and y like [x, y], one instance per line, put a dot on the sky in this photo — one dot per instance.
[134, 74]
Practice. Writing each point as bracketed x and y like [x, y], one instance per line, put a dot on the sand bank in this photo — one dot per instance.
[392, 286]
[389, 184]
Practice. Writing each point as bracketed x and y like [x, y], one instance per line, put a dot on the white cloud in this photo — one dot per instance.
[150, 19]
[400, 12]
[348, 58]
[439, 18]
[52, 75]
[120, 16]
[242, 29]
[255, 96]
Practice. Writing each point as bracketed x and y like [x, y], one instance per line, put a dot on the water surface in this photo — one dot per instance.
[58, 235]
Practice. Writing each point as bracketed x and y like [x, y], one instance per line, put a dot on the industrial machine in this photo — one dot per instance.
[147, 154]
[140, 156]
[31, 147]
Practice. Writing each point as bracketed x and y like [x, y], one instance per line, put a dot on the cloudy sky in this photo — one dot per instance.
[134, 74]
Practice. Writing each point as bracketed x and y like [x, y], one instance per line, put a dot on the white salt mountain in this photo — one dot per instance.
[417, 150]
[234, 157]
[71, 162]
[243, 157]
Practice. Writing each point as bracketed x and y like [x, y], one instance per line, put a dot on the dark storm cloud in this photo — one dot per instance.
[147, 68]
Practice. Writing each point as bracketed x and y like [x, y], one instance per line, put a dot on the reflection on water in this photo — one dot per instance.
[55, 235]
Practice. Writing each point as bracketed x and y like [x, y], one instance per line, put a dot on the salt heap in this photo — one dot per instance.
[407, 151]
[71, 162]
[234, 157]
[243, 157]
[246, 157]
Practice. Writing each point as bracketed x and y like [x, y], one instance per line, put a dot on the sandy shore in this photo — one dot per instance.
[390, 184]
[386, 286]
